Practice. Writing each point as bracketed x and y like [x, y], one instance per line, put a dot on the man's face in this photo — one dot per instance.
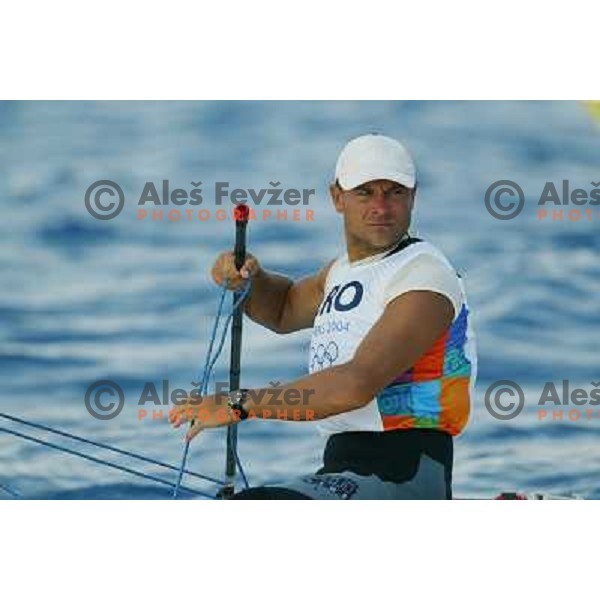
[376, 214]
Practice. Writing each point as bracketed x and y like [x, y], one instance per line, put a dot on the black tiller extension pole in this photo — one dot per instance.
[240, 213]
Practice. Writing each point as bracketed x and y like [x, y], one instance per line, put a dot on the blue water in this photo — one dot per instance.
[83, 300]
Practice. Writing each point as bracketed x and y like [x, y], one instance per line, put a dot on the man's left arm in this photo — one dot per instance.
[409, 327]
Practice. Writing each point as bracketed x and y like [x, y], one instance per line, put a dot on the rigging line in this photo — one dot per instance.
[240, 468]
[104, 462]
[213, 336]
[209, 366]
[108, 447]
[203, 386]
[242, 297]
[11, 492]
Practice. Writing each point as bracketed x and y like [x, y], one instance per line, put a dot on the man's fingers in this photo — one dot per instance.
[224, 269]
[183, 414]
[250, 268]
[177, 419]
[193, 431]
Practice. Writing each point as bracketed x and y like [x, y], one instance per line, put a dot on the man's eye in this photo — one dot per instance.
[363, 192]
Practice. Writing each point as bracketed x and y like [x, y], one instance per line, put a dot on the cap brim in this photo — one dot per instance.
[349, 183]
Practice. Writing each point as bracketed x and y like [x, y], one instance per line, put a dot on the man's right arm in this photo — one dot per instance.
[283, 305]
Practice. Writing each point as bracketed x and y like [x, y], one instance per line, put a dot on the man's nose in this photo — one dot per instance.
[379, 201]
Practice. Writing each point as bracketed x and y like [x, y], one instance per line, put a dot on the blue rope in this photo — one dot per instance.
[103, 462]
[208, 368]
[10, 492]
[240, 468]
[78, 438]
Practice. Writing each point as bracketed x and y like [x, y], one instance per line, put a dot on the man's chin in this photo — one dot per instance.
[384, 241]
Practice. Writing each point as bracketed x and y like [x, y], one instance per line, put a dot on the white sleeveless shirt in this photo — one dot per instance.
[435, 393]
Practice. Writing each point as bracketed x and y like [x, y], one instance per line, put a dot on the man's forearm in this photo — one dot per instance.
[267, 298]
[323, 394]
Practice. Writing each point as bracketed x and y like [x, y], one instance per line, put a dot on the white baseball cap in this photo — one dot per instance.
[371, 157]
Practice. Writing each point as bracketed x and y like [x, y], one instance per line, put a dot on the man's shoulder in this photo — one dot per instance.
[323, 274]
[420, 250]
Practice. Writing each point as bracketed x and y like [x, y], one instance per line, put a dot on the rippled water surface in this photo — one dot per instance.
[131, 301]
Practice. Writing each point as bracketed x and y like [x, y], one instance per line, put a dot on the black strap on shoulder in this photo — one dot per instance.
[403, 244]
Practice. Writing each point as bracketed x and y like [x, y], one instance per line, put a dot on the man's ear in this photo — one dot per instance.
[413, 197]
[336, 196]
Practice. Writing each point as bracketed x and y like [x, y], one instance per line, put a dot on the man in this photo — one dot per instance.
[392, 361]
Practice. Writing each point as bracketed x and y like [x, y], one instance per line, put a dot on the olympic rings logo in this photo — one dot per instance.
[323, 356]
